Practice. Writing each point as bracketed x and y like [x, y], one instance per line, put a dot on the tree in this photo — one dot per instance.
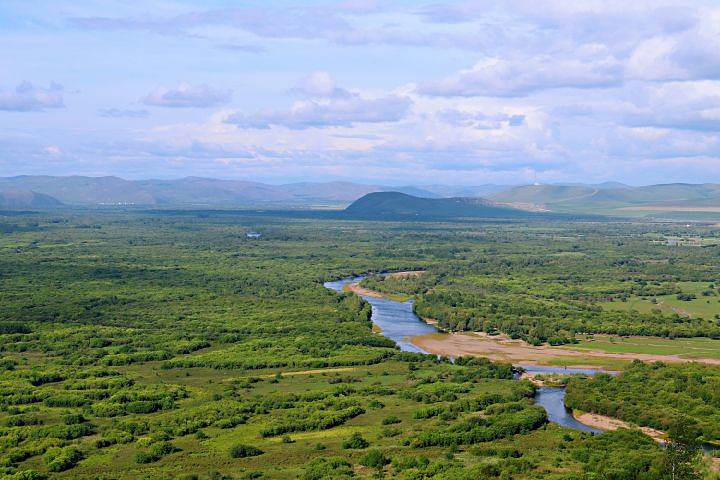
[682, 452]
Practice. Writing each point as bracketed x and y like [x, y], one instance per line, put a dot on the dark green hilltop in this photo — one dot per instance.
[401, 205]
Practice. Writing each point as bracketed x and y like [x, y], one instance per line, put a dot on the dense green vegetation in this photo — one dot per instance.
[383, 205]
[550, 286]
[168, 345]
[656, 395]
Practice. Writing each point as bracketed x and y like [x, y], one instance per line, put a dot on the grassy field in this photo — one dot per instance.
[688, 347]
[285, 456]
[701, 306]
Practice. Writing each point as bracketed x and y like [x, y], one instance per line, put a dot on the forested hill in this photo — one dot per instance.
[401, 205]
[27, 199]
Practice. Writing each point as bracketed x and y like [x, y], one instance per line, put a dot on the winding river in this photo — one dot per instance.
[399, 322]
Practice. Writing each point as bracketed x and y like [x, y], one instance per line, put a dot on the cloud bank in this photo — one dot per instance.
[27, 97]
[410, 92]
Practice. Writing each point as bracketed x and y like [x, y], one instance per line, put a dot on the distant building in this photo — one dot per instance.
[253, 234]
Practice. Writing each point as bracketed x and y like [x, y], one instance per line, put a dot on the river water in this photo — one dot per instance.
[399, 322]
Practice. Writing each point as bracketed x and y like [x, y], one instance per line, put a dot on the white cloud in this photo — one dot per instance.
[187, 95]
[688, 55]
[26, 97]
[319, 84]
[592, 67]
[676, 105]
[328, 113]
[327, 105]
[53, 150]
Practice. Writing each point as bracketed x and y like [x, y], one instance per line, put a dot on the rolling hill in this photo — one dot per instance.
[401, 205]
[614, 200]
[27, 199]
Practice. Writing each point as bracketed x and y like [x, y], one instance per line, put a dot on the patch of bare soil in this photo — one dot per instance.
[502, 348]
[358, 290]
[605, 423]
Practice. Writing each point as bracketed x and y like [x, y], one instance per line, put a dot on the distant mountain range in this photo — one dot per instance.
[193, 191]
[606, 198]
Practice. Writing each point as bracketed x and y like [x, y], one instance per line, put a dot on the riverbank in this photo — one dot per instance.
[502, 348]
[605, 423]
[543, 379]
[364, 292]
[357, 289]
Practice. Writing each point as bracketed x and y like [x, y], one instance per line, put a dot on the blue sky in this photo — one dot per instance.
[371, 91]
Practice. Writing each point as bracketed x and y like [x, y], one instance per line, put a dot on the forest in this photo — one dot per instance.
[169, 345]
[655, 395]
[548, 287]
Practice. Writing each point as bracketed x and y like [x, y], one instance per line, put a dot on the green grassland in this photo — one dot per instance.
[685, 347]
[167, 345]
[706, 303]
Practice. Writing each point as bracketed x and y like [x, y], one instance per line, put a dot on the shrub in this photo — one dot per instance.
[327, 469]
[391, 420]
[61, 459]
[242, 451]
[73, 419]
[355, 441]
[14, 327]
[374, 459]
[157, 451]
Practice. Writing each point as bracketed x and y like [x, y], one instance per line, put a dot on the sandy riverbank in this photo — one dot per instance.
[502, 348]
[358, 290]
[602, 422]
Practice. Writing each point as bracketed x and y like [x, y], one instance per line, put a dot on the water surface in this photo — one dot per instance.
[396, 319]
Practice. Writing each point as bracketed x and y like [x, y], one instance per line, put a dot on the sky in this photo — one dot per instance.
[385, 92]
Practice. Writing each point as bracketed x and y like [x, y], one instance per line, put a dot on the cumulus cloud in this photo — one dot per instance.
[319, 84]
[27, 97]
[326, 105]
[328, 113]
[676, 105]
[122, 113]
[688, 55]
[187, 95]
[594, 66]
[558, 90]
